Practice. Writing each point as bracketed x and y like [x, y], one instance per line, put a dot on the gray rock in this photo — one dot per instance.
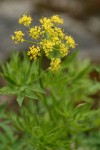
[10, 11]
[88, 44]
[93, 25]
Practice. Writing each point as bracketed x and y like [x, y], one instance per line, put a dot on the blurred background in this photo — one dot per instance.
[82, 21]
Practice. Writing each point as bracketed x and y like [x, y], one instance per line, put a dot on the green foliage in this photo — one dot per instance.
[21, 77]
[61, 114]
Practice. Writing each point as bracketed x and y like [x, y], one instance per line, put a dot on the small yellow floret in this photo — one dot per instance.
[34, 52]
[63, 50]
[35, 32]
[56, 40]
[70, 41]
[47, 46]
[55, 64]
[18, 37]
[46, 23]
[59, 32]
[57, 19]
[25, 20]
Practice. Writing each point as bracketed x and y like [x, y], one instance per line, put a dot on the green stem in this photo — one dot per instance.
[30, 42]
[41, 84]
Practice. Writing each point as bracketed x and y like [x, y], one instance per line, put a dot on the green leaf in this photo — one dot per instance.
[79, 109]
[20, 99]
[8, 90]
[81, 73]
[70, 59]
[9, 80]
[30, 94]
[36, 89]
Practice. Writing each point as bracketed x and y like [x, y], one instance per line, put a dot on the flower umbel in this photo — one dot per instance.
[59, 32]
[47, 46]
[25, 20]
[35, 32]
[46, 23]
[33, 52]
[70, 41]
[48, 39]
[55, 64]
[57, 19]
[18, 37]
[63, 49]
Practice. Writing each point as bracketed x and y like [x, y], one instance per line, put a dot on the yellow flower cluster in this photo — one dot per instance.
[63, 49]
[70, 41]
[18, 37]
[56, 19]
[55, 64]
[59, 32]
[47, 46]
[47, 38]
[46, 23]
[35, 32]
[33, 52]
[25, 20]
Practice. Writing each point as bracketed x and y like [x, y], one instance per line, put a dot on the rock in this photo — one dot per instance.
[91, 7]
[93, 25]
[13, 9]
[88, 44]
[66, 6]
[10, 11]
[80, 9]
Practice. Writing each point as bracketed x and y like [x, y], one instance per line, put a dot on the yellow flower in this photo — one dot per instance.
[50, 39]
[35, 32]
[63, 50]
[25, 20]
[70, 41]
[60, 32]
[34, 52]
[55, 64]
[50, 31]
[56, 40]
[56, 19]
[18, 37]
[47, 46]
[46, 23]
